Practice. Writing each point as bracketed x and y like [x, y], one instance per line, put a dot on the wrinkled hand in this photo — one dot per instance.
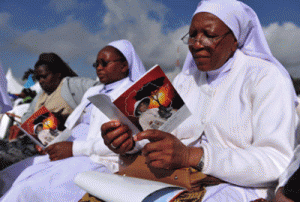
[60, 150]
[280, 197]
[164, 150]
[117, 137]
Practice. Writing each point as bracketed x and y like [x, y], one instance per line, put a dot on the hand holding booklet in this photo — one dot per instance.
[41, 128]
[150, 103]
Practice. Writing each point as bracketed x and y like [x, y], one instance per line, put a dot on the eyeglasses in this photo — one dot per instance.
[205, 41]
[104, 63]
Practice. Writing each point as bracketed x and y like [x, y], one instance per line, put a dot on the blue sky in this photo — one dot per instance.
[78, 29]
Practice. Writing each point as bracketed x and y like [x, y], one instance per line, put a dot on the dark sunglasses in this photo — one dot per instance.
[104, 63]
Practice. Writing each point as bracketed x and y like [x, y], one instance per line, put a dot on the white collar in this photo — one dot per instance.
[109, 87]
[218, 73]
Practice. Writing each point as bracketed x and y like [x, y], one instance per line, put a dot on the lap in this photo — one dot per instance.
[51, 181]
[231, 193]
[223, 192]
[11, 173]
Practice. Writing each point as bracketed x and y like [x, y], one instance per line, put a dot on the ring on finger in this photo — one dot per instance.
[112, 146]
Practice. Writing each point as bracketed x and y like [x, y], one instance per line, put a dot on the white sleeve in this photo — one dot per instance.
[292, 168]
[273, 135]
[92, 146]
[94, 143]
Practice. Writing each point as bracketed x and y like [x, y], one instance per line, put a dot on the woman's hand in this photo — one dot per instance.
[15, 132]
[117, 137]
[166, 151]
[60, 150]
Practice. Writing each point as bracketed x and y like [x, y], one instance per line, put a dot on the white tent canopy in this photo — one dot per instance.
[13, 86]
[36, 87]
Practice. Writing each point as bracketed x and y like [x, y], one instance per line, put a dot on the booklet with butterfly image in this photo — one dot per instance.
[150, 103]
[42, 128]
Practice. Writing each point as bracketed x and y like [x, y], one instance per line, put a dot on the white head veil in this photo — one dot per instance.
[5, 103]
[136, 70]
[244, 24]
[135, 65]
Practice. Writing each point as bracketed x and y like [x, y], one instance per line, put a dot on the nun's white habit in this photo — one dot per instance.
[243, 113]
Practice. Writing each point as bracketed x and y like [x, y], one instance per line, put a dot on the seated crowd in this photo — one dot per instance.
[241, 133]
[62, 91]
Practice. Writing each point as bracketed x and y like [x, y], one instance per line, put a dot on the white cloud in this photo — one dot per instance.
[62, 5]
[284, 42]
[124, 19]
[69, 40]
[130, 20]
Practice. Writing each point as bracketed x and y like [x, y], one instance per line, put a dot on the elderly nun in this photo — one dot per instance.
[241, 132]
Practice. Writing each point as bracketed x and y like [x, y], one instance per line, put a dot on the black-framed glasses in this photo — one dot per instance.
[204, 40]
[104, 63]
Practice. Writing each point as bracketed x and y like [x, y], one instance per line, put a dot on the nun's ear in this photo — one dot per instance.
[125, 67]
[234, 46]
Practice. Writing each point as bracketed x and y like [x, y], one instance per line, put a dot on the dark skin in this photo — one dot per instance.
[165, 150]
[114, 70]
[213, 57]
[60, 150]
[48, 80]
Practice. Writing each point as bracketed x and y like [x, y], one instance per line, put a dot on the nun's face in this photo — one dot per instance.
[208, 26]
[110, 65]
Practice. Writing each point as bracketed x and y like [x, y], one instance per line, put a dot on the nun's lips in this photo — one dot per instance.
[201, 58]
[200, 55]
[100, 74]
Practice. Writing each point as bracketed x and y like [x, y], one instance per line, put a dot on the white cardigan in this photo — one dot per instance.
[249, 121]
[94, 145]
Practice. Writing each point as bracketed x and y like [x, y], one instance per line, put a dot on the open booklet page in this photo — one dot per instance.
[41, 128]
[150, 103]
[121, 188]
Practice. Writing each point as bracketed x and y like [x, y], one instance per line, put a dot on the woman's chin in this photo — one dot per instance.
[204, 67]
[102, 80]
